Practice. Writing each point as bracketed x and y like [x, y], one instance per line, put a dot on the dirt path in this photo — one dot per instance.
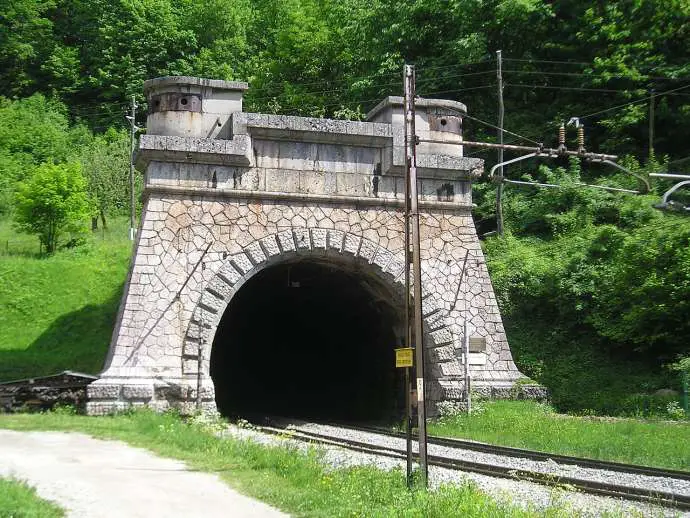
[89, 477]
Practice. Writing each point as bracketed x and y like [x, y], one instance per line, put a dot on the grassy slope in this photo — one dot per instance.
[525, 424]
[583, 379]
[293, 481]
[58, 312]
[18, 500]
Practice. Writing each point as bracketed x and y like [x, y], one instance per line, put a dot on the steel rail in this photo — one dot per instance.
[648, 496]
[510, 451]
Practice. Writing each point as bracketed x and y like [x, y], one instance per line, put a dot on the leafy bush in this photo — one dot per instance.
[594, 290]
[51, 202]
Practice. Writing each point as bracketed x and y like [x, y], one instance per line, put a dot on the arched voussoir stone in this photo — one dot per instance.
[311, 242]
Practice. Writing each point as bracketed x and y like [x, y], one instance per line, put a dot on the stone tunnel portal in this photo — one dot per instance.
[310, 339]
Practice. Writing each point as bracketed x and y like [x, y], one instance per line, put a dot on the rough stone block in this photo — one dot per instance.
[102, 391]
[212, 303]
[440, 354]
[367, 250]
[320, 238]
[335, 239]
[442, 336]
[450, 368]
[137, 391]
[159, 406]
[270, 245]
[189, 366]
[451, 389]
[382, 258]
[534, 392]
[230, 274]
[502, 392]
[242, 263]
[351, 244]
[96, 408]
[483, 392]
[302, 238]
[286, 241]
[255, 252]
[207, 393]
[221, 287]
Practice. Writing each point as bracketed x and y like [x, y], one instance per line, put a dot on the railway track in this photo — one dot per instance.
[391, 444]
[538, 455]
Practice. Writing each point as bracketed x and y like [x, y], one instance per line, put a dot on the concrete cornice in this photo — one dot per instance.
[421, 103]
[187, 81]
[306, 198]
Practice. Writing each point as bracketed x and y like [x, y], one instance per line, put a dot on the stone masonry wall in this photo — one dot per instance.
[229, 196]
[170, 297]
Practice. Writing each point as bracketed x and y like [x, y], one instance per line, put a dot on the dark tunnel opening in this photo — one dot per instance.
[312, 340]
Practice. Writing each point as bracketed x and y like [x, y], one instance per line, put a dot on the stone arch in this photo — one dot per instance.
[442, 363]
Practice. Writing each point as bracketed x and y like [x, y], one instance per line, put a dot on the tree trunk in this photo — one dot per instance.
[103, 219]
[94, 224]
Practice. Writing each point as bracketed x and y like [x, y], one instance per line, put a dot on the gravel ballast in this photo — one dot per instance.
[520, 493]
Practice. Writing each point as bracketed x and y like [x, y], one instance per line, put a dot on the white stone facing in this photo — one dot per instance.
[198, 244]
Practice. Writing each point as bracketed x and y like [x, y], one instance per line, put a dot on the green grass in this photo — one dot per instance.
[291, 480]
[58, 312]
[19, 500]
[581, 376]
[525, 424]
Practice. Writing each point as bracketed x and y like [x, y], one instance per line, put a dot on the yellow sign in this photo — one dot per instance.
[404, 357]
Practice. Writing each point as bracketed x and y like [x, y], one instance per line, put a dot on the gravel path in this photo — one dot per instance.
[94, 478]
[523, 494]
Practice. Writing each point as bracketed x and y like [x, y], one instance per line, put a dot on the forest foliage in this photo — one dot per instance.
[597, 271]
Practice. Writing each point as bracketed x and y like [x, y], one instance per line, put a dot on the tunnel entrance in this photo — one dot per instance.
[313, 340]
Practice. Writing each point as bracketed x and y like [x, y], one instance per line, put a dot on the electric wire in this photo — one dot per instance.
[586, 63]
[603, 76]
[348, 89]
[457, 90]
[504, 130]
[647, 98]
[548, 87]
[659, 94]
[374, 76]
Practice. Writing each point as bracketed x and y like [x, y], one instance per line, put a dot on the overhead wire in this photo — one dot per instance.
[574, 88]
[373, 76]
[548, 61]
[647, 98]
[457, 90]
[347, 89]
[604, 76]
[600, 112]
[504, 130]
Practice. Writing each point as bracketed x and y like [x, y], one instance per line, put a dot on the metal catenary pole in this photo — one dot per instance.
[411, 151]
[132, 206]
[408, 327]
[499, 186]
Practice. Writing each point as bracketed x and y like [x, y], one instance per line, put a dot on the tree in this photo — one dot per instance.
[106, 168]
[52, 201]
[32, 131]
[25, 41]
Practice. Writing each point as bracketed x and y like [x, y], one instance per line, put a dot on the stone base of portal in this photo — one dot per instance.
[115, 395]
